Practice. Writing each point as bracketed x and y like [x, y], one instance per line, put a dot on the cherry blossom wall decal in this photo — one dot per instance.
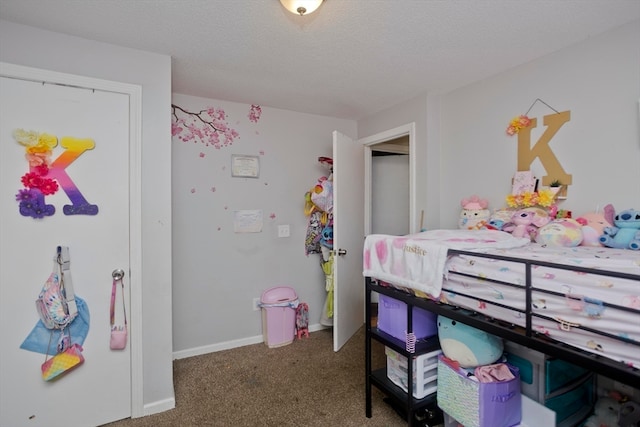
[209, 126]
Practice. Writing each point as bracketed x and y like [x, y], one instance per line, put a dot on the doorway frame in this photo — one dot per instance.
[134, 92]
[369, 143]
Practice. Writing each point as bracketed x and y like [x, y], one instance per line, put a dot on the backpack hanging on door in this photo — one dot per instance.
[56, 303]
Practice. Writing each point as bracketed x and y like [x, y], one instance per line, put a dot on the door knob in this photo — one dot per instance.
[342, 251]
[118, 274]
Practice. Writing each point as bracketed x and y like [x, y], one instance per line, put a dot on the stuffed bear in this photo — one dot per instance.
[525, 222]
[625, 232]
[474, 214]
[605, 414]
[468, 346]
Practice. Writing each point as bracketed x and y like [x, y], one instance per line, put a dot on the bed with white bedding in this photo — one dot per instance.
[585, 297]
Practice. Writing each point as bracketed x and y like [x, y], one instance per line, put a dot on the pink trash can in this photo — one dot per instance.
[278, 315]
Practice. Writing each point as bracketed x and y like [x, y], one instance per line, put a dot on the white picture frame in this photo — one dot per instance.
[245, 166]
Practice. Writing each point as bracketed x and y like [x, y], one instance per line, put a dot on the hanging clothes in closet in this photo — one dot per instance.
[319, 238]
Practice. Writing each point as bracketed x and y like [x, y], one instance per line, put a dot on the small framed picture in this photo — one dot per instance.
[523, 181]
[243, 166]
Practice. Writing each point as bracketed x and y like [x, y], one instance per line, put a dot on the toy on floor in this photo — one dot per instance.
[625, 233]
[302, 320]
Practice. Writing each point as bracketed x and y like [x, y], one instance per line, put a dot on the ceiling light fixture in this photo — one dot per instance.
[301, 7]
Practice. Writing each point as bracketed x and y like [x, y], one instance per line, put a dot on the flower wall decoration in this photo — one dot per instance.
[523, 121]
[46, 176]
[518, 123]
[38, 147]
[254, 113]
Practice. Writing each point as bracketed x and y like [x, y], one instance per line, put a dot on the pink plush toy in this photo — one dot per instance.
[525, 222]
[474, 213]
[593, 225]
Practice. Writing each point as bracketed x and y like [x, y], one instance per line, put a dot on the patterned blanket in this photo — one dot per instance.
[417, 261]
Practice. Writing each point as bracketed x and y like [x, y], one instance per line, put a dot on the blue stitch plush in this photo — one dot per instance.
[625, 233]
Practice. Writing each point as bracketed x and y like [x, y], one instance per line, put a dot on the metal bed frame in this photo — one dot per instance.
[526, 336]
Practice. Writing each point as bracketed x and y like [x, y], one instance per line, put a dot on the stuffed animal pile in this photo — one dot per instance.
[553, 227]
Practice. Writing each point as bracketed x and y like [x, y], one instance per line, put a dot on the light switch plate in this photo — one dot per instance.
[283, 230]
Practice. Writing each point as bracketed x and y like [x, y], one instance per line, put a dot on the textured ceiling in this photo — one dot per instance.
[349, 59]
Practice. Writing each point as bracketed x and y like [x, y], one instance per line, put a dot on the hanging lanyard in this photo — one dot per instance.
[116, 279]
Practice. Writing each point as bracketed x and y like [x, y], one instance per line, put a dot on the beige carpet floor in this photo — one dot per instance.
[304, 383]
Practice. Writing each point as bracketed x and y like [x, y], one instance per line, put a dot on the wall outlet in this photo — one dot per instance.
[256, 304]
[283, 230]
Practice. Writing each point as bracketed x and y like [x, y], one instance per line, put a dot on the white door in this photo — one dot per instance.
[348, 237]
[99, 391]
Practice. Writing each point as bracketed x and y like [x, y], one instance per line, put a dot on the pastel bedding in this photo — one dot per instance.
[417, 261]
[586, 310]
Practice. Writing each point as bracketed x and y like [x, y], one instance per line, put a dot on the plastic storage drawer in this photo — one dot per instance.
[425, 372]
[541, 375]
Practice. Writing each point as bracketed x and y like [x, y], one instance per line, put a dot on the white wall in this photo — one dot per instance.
[216, 272]
[33, 47]
[598, 80]
[427, 149]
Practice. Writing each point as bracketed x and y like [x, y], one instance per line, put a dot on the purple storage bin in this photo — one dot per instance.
[392, 319]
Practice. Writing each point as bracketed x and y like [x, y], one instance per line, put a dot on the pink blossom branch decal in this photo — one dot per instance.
[209, 126]
[254, 113]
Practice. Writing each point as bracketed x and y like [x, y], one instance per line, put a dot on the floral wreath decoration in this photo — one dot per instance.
[527, 199]
[517, 123]
[523, 121]
[38, 147]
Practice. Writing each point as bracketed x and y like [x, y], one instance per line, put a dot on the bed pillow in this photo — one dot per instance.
[563, 232]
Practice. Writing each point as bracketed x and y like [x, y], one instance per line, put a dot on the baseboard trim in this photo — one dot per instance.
[227, 345]
[159, 406]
